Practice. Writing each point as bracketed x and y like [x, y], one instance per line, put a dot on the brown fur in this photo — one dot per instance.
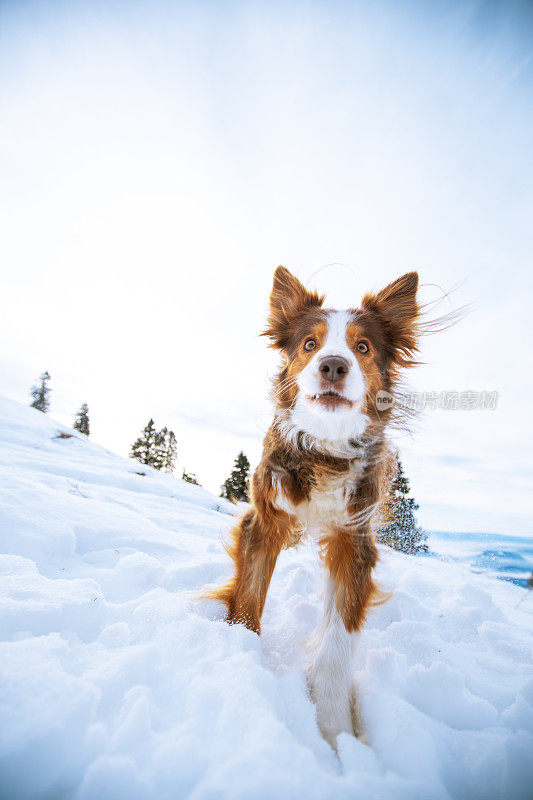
[386, 321]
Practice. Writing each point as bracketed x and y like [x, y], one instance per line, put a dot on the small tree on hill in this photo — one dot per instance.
[160, 449]
[81, 423]
[171, 452]
[143, 448]
[401, 530]
[41, 394]
[236, 487]
[155, 448]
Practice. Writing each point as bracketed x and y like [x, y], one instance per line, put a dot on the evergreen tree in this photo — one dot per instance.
[81, 423]
[401, 530]
[171, 452]
[143, 448]
[160, 449]
[226, 490]
[155, 448]
[41, 394]
[236, 487]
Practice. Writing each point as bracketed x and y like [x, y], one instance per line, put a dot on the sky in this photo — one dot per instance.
[158, 160]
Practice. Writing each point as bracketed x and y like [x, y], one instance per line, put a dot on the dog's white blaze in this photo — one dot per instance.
[330, 669]
[335, 344]
[338, 424]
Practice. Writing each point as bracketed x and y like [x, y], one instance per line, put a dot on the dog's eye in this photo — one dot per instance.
[362, 347]
[309, 344]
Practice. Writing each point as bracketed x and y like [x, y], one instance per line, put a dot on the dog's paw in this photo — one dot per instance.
[334, 706]
[334, 720]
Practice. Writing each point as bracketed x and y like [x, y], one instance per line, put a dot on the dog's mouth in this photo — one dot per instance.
[330, 399]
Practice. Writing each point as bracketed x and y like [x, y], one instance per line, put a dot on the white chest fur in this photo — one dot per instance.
[328, 503]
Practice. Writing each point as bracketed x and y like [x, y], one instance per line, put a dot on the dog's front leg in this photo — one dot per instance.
[329, 674]
[256, 542]
[349, 556]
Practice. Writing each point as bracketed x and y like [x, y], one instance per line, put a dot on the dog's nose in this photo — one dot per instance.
[334, 368]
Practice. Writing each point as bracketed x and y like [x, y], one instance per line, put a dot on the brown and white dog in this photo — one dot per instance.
[322, 467]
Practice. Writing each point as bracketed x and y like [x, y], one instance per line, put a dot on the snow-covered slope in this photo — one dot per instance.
[115, 683]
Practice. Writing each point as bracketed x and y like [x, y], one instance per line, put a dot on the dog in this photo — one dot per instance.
[322, 468]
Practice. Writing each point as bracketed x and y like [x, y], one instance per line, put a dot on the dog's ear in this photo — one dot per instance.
[287, 299]
[398, 311]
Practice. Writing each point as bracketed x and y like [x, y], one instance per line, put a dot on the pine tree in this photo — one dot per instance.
[143, 448]
[171, 452]
[81, 423]
[226, 490]
[41, 394]
[155, 448]
[236, 487]
[401, 531]
[160, 449]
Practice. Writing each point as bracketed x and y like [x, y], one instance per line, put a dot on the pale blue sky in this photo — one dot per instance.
[159, 159]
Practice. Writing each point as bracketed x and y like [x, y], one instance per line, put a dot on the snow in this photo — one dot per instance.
[116, 682]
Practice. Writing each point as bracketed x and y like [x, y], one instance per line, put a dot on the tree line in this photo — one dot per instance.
[155, 448]
[158, 448]
[40, 395]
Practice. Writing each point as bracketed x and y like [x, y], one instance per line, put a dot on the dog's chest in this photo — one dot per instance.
[329, 500]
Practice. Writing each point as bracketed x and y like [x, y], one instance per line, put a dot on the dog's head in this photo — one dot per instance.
[335, 363]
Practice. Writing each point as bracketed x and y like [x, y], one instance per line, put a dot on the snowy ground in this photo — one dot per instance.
[115, 683]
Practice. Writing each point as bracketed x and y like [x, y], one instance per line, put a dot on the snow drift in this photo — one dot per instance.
[116, 683]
